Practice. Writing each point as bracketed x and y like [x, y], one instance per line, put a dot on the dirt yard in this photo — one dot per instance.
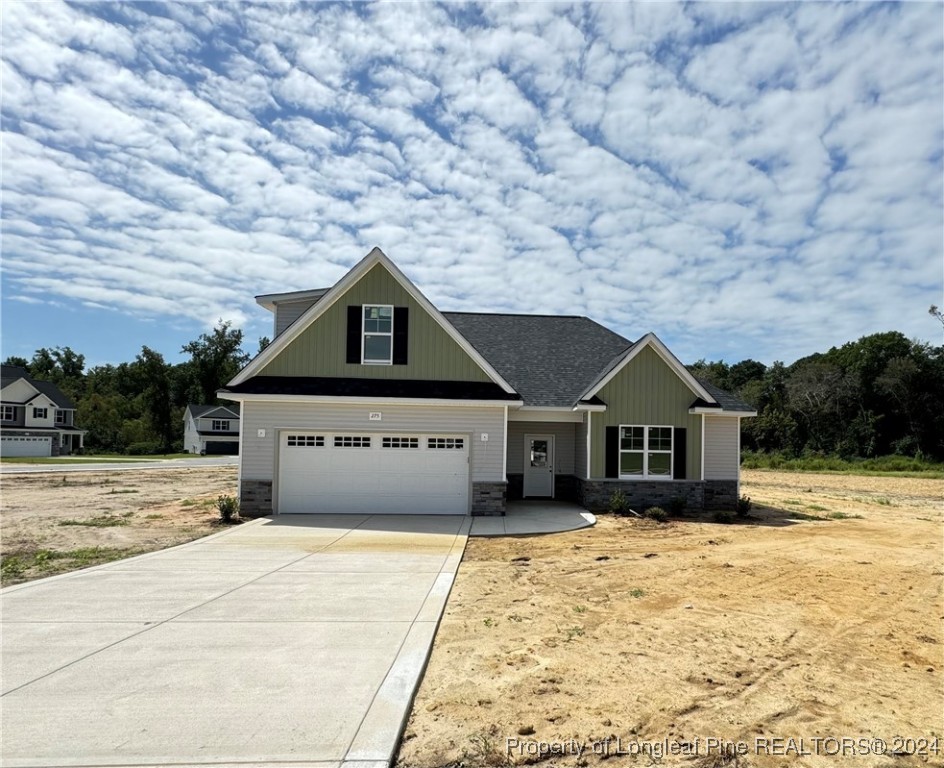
[55, 522]
[794, 638]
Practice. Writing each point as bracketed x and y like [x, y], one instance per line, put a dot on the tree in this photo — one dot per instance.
[215, 358]
[935, 312]
[63, 366]
[19, 362]
[153, 376]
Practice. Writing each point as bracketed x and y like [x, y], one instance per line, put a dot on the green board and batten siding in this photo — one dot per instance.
[646, 391]
[320, 350]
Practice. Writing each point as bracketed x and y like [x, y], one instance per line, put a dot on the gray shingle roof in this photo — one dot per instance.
[10, 373]
[726, 400]
[549, 359]
[199, 410]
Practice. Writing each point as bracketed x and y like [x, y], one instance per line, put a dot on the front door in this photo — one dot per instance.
[538, 465]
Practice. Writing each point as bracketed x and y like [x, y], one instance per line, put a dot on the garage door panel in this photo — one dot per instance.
[23, 445]
[397, 474]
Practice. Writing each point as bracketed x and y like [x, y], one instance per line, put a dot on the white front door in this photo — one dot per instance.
[538, 465]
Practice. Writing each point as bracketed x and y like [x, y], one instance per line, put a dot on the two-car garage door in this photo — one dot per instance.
[373, 473]
[19, 445]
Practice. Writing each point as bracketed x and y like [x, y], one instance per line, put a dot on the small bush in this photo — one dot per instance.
[723, 516]
[656, 513]
[619, 504]
[677, 506]
[148, 448]
[743, 505]
[228, 507]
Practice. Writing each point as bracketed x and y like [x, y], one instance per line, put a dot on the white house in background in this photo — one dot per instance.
[36, 418]
[211, 429]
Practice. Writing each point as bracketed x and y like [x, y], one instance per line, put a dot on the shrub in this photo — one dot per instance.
[677, 506]
[619, 504]
[146, 448]
[743, 505]
[228, 507]
[657, 513]
[723, 516]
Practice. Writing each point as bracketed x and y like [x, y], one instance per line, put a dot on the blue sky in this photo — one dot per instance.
[745, 180]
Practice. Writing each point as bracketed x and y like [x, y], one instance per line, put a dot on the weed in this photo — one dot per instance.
[123, 490]
[743, 506]
[103, 521]
[637, 592]
[229, 508]
[154, 517]
[488, 621]
[516, 618]
[619, 504]
[884, 501]
[573, 632]
[843, 516]
[723, 516]
[45, 562]
[795, 502]
[656, 513]
[484, 751]
[580, 609]
[817, 508]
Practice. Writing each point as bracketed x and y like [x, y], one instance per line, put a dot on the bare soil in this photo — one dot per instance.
[771, 636]
[53, 522]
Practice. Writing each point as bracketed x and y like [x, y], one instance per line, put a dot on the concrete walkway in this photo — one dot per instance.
[526, 518]
[291, 640]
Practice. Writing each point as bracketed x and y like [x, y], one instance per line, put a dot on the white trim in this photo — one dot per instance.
[505, 446]
[702, 447]
[240, 397]
[739, 459]
[271, 300]
[376, 256]
[364, 333]
[651, 340]
[589, 442]
[719, 412]
[589, 408]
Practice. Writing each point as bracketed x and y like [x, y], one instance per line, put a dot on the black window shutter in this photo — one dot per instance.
[612, 451]
[679, 450]
[355, 317]
[401, 329]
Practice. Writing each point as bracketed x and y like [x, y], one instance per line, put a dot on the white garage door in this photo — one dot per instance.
[16, 445]
[351, 472]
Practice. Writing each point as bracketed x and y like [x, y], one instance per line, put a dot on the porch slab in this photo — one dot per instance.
[529, 518]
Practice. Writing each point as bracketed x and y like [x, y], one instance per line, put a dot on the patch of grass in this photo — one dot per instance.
[881, 500]
[102, 521]
[637, 592]
[843, 516]
[56, 460]
[19, 566]
[795, 502]
[899, 466]
[488, 621]
[573, 632]
[154, 517]
[123, 490]
[817, 508]
[580, 609]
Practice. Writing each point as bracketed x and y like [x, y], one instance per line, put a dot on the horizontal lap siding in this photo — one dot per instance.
[721, 448]
[288, 312]
[257, 459]
[647, 392]
[564, 439]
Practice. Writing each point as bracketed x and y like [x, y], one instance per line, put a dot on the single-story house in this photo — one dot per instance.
[211, 429]
[36, 418]
[369, 399]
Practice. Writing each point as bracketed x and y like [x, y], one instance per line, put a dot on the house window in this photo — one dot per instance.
[306, 441]
[645, 452]
[350, 441]
[219, 425]
[8, 413]
[60, 417]
[445, 443]
[400, 442]
[40, 413]
[377, 344]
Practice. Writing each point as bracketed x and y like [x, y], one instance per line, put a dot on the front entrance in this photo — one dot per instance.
[538, 466]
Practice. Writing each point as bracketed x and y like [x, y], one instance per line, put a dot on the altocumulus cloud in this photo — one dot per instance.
[759, 180]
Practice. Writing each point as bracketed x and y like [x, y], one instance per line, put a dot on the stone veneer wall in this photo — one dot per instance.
[721, 494]
[255, 498]
[488, 499]
[642, 494]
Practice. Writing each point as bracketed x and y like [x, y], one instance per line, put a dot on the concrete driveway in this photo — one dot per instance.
[296, 639]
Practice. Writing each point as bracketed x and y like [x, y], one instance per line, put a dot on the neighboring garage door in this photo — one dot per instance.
[25, 446]
[221, 449]
[358, 472]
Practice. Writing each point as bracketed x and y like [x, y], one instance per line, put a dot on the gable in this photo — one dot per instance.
[18, 391]
[321, 348]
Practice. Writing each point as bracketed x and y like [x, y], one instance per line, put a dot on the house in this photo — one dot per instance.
[369, 399]
[36, 418]
[211, 429]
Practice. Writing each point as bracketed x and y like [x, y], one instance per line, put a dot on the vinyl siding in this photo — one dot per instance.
[564, 444]
[321, 349]
[258, 454]
[288, 312]
[206, 425]
[580, 448]
[722, 461]
[18, 391]
[646, 391]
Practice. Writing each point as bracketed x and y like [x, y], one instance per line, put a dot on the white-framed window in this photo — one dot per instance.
[377, 341]
[445, 443]
[40, 413]
[60, 416]
[8, 413]
[305, 441]
[351, 441]
[400, 442]
[220, 425]
[645, 451]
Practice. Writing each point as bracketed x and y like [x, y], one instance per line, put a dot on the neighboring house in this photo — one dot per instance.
[211, 429]
[371, 400]
[36, 418]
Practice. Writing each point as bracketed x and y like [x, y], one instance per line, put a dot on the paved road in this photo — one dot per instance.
[83, 466]
[297, 640]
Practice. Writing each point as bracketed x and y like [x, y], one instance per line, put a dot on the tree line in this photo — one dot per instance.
[138, 407]
[880, 395]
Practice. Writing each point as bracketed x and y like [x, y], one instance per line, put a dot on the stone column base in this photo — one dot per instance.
[488, 499]
[255, 498]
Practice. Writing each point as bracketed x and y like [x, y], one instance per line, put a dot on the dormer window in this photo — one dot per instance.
[377, 344]
[220, 425]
